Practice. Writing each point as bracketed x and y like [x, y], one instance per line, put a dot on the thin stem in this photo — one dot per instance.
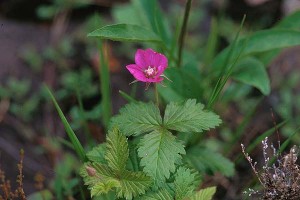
[156, 95]
[183, 30]
[104, 83]
[82, 118]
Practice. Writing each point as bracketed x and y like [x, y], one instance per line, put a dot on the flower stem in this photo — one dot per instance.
[183, 30]
[156, 95]
[104, 79]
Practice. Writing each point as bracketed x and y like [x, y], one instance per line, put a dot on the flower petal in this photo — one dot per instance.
[137, 72]
[160, 70]
[158, 79]
[159, 60]
[142, 58]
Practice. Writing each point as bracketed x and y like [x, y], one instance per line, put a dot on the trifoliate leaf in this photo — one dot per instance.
[97, 154]
[204, 194]
[159, 150]
[117, 151]
[137, 118]
[133, 184]
[184, 183]
[189, 117]
[162, 194]
[205, 160]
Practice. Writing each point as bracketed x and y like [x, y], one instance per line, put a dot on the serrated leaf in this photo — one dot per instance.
[134, 161]
[125, 32]
[133, 184]
[101, 180]
[205, 160]
[159, 151]
[252, 72]
[204, 194]
[117, 151]
[97, 154]
[189, 117]
[101, 188]
[137, 118]
[162, 194]
[184, 183]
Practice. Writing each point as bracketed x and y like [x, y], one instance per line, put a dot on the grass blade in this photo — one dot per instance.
[73, 138]
[224, 75]
[212, 42]
[258, 140]
[241, 128]
[127, 97]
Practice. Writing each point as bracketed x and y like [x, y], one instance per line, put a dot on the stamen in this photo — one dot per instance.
[150, 72]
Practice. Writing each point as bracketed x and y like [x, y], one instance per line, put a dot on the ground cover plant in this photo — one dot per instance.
[173, 138]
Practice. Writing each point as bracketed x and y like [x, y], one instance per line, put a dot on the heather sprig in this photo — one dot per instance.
[280, 180]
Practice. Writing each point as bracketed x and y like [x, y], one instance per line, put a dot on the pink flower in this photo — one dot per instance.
[149, 66]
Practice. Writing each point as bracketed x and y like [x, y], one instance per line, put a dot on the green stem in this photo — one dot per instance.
[82, 118]
[183, 30]
[156, 95]
[104, 85]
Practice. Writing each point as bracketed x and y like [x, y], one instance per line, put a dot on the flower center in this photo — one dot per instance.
[150, 72]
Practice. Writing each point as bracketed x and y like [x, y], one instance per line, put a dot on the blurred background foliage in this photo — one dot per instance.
[47, 43]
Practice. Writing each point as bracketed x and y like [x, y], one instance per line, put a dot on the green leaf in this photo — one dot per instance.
[133, 184]
[137, 118]
[260, 42]
[109, 196]
[97, 154]
[184, 183]
[162, 194]
[117, 151]
[125, 32]
[189, 117]
[252, 72]
[125, 13]
[159, 151]
[187, 84]
[205, 160]
[100, 180]
[101, 188]
[290, 22]
[204, 194]
[75, 142]
[151, 15]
